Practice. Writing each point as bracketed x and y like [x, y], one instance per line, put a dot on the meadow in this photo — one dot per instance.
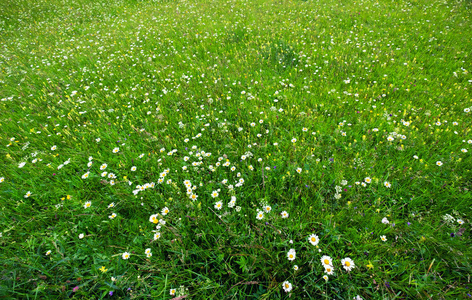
[235, 149]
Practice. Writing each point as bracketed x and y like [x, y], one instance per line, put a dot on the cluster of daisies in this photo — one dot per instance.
[267, 209]
[159, 222]
[326, 261]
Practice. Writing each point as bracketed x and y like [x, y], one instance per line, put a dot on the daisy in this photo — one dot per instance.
[147, 251]
[28, 194]
[53, 148]
[115, 150]
[287, 286]
[291, 254]
[367, 180]
[81, 236]
[326, 261]
[48, 252]
[157, 235]
[375, 129]
[125, 255]
[305, 129]
[97, 140]
[87, 204]
[299, 170]
[2, 179]
[267, 208]
[214, 194]
[387, 184]
[218, 205]
[463, 151]
[313, 239]
[104, 174]
[148, 255]
[383, 238]
[112, 216]
[111, 205]
[295, 267]
[193, 197]
[284, 214]
[260, 215]
[133, 169]
[86, 175]
[325, 277]
[390, 138]
[172, 292]
[89, 164]
[294, 140]
[460, 221]
[153, 219]
[165, 211]
[348, 264]
[439, 163]
[329, 270]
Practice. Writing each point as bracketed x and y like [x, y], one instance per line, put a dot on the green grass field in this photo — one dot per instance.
[235, 149]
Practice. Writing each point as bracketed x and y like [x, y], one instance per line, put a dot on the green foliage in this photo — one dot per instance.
[347, 124]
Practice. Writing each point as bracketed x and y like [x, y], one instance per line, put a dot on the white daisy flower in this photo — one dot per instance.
[314, 240]
[287, 286]
[348, 264]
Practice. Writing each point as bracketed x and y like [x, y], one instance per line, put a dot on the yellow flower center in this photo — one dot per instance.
[286, 286]
[326, 262]
[347, 264]
[313, 239]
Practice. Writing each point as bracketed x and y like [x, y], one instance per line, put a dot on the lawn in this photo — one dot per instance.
[235, 149]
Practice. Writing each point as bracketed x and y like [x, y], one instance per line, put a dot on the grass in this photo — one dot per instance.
[351, 117]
